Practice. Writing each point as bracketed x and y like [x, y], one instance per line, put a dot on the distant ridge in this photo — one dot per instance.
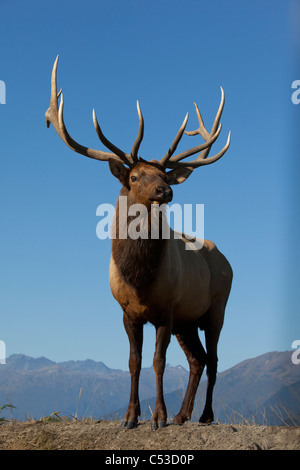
[261, 390]
[24, 363]
[264, 390]
[38, 386]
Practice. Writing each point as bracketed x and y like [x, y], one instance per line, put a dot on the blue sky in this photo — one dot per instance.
[55, 298]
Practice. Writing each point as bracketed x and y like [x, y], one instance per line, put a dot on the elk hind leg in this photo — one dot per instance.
[189, 341]
[212, 332]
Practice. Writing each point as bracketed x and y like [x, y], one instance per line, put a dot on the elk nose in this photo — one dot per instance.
[164, 193]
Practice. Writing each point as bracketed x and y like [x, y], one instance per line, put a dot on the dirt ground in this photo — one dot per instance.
[108, 435]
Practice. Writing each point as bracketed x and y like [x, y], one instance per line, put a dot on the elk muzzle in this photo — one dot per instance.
[162, 194]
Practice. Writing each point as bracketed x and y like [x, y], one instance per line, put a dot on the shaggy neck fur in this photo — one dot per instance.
[137, 259]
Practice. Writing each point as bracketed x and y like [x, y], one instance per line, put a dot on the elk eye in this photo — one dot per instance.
[133, 178]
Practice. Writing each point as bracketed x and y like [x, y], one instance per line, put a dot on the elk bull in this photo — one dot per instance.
[158, 280]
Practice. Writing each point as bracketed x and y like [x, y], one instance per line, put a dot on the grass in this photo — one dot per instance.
[276, 415]
[53, 417]
[4, 407]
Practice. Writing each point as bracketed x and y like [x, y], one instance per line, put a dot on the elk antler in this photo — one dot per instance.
[54, 115]
[174, 162]
[139, 138]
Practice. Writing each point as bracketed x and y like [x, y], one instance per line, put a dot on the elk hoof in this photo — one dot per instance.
[178, 420]
[128, 424]
[153, 425]
[206, 419]
[162, 424]
[132, 424]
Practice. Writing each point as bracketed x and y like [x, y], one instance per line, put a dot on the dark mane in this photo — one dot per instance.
[138, 260]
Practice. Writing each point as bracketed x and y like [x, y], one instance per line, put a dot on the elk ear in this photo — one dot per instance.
[179, 175]
[119, 171]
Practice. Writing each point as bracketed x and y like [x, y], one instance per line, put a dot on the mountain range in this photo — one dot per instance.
[261, 390]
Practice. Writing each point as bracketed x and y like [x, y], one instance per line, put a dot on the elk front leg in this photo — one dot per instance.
[135, 336]
[163, 335]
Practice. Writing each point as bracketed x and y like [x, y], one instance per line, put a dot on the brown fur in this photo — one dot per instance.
[160, 281]
[137, 260]
[176, 289]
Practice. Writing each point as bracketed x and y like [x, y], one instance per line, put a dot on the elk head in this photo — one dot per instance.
[146, 182]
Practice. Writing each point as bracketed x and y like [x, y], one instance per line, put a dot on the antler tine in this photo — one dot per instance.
[52, 112]
[176, 141]
[54, 115]
[208, 137]
[124, 156]
[197, 149]
[203, 161]
[201, 130]
[139, 138]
